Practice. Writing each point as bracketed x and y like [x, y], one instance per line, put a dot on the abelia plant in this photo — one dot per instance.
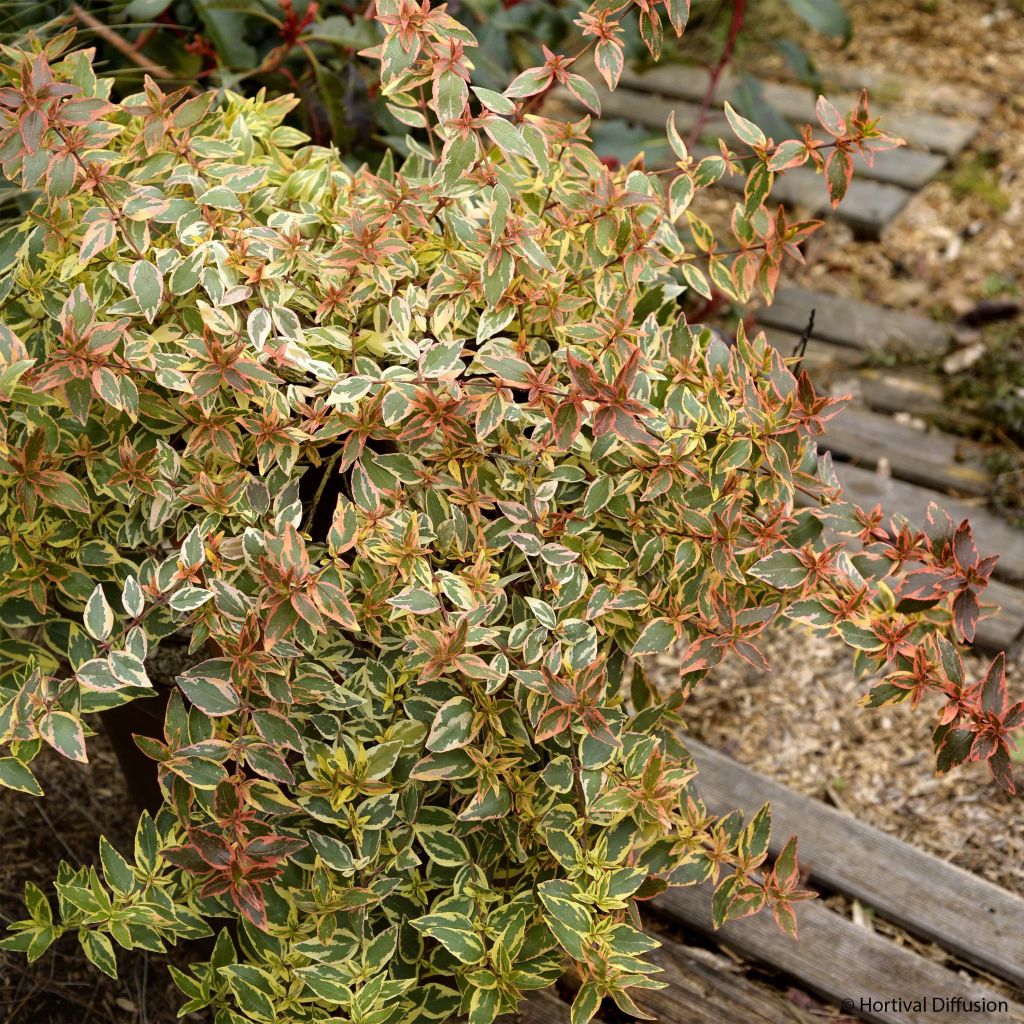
[422, 461]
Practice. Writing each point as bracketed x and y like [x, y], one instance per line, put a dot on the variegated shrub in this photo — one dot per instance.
[422, 460]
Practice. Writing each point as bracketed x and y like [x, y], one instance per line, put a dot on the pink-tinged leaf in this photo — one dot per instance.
[609, 60]
[211, 847]
[98, 235]
[830, 118]
[787, 867]
[964, 549]
[584, 92]
[307, 610]
[993, 686]
[785, 918]
[274, 848]
[966, 612]
[838, 175]
[529, 83]
[1014, 718]
[82, 111]
[746, 131]
[953, 747]
[32, 127]
[248, 898]
[553, 723]
[1002, 770]
[678, 14]
[791, 153]
[63, 490]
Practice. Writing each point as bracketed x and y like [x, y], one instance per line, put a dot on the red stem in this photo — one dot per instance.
[739, 13]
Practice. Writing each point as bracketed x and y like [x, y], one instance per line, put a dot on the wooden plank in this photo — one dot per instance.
[947, 97]
[868, 206]
[935, 132]
[857, 324]
[840, 960]
[994, 535]
[930, 458]
[702, 987]
[820, 357]
[542, 1007]
[1004, 629]
[959, 911]
[707, 988]
[917, 393]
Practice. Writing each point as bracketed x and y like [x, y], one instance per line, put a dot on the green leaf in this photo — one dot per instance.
[188, 599]
[415, 600]
[116, 870]
[64, 733]
[484, 1004]
[567, 918]
[220, 198]
[506, 135]
[15, 775]
[146, 284]
[99, 617]
[131, 597]
[656, 637]
[455, 932]
[598, 495]
[586, 1004]
[746, 131]
[452, 726]
[129, 669]
[444, 849]
[252, 988]
[98, 949]
[824, 16]
[442, 359]
[209, 687]
[781, 569]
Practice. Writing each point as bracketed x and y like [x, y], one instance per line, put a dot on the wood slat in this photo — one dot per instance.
[541, 1008]
[937, 133]
[993, 534]
[856, 324]
[930, 458]
[868, 206]
[963, 913]
[702, 987]
[1002, 630]
[949, 97]
[707, 988]
[918, 393]
[820, 358]
[839, 960]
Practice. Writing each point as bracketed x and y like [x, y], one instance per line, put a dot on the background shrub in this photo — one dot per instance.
[423, 461]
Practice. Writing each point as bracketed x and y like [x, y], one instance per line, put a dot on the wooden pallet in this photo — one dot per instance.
[879, 191]
[976, 922]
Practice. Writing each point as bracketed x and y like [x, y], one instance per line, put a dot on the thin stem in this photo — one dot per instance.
[103, 193]
[127, 49]
[739, 10]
